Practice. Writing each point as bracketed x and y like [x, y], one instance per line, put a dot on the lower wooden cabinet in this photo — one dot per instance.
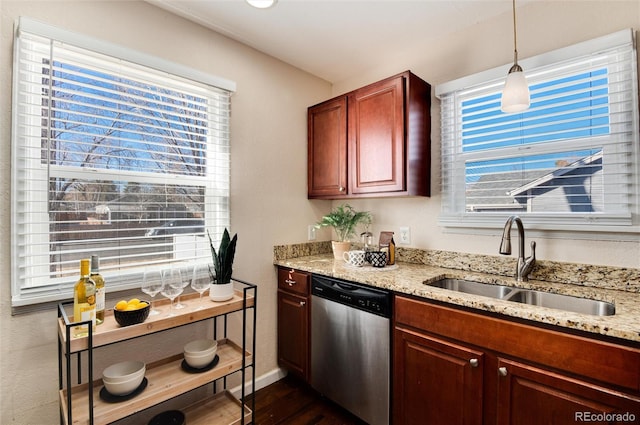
[294, 315]
[456, 367]
[528, 395]
[436, 382]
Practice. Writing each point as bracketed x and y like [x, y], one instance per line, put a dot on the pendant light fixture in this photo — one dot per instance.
[515, 95]
[262, 4]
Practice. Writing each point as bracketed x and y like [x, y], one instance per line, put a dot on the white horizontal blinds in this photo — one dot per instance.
[573, 151]
[114, 159]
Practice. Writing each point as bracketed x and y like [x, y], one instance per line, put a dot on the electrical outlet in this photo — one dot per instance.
[405, 235]
[311, 232]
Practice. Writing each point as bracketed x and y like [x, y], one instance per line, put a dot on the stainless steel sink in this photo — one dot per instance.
[529, 296]
[475, 288]
[562, 302]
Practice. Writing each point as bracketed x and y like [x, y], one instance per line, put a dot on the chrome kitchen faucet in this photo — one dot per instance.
[525, 265]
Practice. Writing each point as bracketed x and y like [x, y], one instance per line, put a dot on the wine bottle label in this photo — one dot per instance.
[100, 299]
[84, 312]
[87, 312]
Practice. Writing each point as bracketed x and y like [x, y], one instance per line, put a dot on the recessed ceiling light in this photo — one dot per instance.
[262, 4]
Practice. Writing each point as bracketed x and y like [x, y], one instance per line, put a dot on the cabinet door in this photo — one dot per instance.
[293, 333]
[376, 137]
[435, 381]
[533, 396]
[327, 155]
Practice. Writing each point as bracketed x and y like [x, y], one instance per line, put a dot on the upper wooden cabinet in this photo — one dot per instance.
[373, 141]
[327, 154]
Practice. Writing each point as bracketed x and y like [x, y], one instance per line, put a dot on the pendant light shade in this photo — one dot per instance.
[515, 95]
[262, 4]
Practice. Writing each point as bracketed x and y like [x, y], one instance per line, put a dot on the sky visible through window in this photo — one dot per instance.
[567, 108]
[110, 122]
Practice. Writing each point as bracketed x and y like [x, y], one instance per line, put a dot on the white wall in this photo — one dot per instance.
[268, 193]
[269, 204]
[543, 25]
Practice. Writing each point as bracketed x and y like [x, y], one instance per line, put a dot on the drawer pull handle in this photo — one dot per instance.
[502, 371]
[290, 282]
[474, 362]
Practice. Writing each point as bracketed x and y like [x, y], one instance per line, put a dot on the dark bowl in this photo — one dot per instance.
[132, 317]
[170, 417]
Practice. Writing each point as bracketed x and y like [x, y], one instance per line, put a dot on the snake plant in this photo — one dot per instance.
[222, 258]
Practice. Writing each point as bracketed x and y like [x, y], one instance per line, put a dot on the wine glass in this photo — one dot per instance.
[200, 281]
[151, 285]
[172, 286]
[179, 278]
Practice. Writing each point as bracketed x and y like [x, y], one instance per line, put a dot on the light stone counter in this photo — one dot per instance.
[412, 279]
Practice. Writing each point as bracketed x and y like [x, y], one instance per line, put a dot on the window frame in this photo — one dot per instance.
[23, 291]
[581, 225]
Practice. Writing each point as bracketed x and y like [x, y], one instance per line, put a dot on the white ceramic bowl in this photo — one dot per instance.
[123, 378]
[200, 352]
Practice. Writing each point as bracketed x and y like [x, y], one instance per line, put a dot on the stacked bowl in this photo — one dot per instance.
[123, 378]
[200, 353]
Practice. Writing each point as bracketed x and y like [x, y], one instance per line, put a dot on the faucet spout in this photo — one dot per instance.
[525, 265]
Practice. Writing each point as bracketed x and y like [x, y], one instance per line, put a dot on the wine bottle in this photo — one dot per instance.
[84, 301]
[100, 290]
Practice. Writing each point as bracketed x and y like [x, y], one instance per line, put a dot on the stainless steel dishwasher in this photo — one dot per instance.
[350, 346]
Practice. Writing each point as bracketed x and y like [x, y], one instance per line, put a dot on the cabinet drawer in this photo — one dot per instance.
[293, 281]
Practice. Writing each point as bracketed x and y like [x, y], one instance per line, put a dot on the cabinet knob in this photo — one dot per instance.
[290, 282]
[474, 362]
[502, 371]
[341, 188]
[302, 303]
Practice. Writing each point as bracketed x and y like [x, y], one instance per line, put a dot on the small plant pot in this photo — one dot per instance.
[223, 292]
[339, 248]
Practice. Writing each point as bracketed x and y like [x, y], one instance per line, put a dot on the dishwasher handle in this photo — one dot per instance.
[344, 286]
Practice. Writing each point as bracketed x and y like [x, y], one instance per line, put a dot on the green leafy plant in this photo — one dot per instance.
[223, 258]
[344, 220]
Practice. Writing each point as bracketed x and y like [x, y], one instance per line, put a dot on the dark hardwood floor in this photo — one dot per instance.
[292, 401]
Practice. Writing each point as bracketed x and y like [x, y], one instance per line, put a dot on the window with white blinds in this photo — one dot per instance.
[570, 161]
[112, 158]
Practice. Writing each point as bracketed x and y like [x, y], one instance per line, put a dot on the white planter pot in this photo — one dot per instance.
[222, 292]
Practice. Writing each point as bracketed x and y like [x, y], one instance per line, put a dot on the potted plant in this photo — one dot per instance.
[221, 286]
[344, 220]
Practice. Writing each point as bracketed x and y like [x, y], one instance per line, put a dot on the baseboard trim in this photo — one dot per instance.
[261, 381]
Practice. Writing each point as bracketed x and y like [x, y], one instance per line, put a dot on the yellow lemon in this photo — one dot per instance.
[134, 301]
[142, 304]
[121, 305]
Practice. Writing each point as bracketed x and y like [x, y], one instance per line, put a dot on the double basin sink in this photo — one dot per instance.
[529, 296]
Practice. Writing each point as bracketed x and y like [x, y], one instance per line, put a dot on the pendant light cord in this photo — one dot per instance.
[515, 67]
[515, 37]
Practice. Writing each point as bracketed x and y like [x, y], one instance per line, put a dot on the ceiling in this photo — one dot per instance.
[337, 39]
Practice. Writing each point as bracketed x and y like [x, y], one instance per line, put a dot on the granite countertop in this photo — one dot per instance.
[411, 278]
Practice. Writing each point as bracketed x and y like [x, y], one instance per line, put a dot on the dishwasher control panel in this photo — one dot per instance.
[359, 296]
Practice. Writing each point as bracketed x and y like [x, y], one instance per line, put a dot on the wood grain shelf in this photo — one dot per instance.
[110, 332]
[221, 409]
[166, 379]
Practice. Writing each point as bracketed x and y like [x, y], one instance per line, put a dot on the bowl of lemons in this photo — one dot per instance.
[131, 312]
